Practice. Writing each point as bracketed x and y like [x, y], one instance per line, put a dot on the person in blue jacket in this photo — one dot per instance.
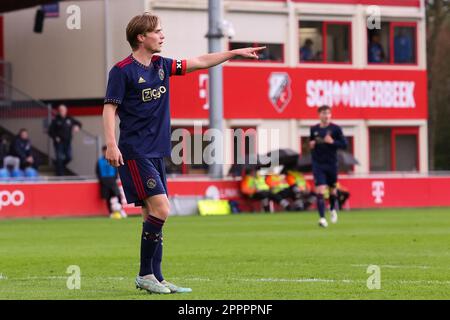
[107, 176]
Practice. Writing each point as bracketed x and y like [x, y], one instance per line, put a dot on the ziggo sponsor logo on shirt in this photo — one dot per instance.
[8, 198]
[150, 94]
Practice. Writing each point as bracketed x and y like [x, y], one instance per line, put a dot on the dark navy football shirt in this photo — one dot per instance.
[142, 96]
[326, 153]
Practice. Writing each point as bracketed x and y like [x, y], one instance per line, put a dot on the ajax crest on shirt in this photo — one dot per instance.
[151, 183]
[161, 74]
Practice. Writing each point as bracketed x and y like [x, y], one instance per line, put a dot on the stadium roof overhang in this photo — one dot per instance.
[12, 5]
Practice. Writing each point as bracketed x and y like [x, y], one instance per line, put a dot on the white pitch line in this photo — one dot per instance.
[422, 281]
[312, 280]
[301, 280]
[294, 280]
[390, 266]
[344, 281]
[191, 279]
[42, 278]
[65, 277]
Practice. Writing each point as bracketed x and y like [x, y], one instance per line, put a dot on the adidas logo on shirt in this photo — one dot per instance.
[141, 80]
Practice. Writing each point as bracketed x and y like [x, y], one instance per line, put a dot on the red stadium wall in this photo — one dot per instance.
[25, 200]
[286, 93]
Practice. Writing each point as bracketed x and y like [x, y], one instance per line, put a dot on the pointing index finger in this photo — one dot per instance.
[259, 48]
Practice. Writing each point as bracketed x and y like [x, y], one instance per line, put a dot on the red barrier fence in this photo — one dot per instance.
[50, 199]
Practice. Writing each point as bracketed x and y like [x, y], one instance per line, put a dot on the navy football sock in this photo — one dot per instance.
[151, 236]
[333, 202]
[321, 205]
[156, 261]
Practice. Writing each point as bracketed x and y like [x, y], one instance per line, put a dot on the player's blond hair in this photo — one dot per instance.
[140, 24]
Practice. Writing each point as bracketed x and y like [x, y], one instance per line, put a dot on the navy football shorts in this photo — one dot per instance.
[143, 178]
[325, 175]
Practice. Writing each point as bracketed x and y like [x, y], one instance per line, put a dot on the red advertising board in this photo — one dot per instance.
[83, 198]
[282, 93]
[50, 199]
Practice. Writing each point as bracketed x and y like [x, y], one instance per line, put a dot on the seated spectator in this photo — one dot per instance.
[301, 190]
[30, 172]
[21, 148]
[280, 190]
[17, 173]
[11, 163]
[375, 50]
[4, 149]
[254, 186]
[11, 167]
[306, 51]
[4, 173]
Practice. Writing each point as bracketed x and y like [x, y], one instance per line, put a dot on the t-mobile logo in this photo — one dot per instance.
[378, 191]
[203, 83]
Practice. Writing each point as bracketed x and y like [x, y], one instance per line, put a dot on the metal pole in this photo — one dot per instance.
[49, 140]
[215, 36]
[98, 141]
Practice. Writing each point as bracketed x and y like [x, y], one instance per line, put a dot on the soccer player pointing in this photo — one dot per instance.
[138, 90]
[325, 139]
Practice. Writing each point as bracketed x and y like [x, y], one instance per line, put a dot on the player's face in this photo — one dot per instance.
[154, 40]
[325, 116]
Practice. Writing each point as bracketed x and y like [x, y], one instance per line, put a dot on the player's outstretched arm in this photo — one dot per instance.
[212, 59]
[113, 154]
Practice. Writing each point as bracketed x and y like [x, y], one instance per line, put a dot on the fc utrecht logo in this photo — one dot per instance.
[378, 191]
[280, 92]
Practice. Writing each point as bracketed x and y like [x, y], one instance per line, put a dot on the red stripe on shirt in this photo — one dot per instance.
[124, 62]
[174, 67]
[183, 67]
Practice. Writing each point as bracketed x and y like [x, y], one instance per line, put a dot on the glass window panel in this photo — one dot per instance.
[404, 44]
[311, 41]
[338, 43]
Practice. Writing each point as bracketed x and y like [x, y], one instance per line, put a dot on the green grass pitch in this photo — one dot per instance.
[245, 256]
